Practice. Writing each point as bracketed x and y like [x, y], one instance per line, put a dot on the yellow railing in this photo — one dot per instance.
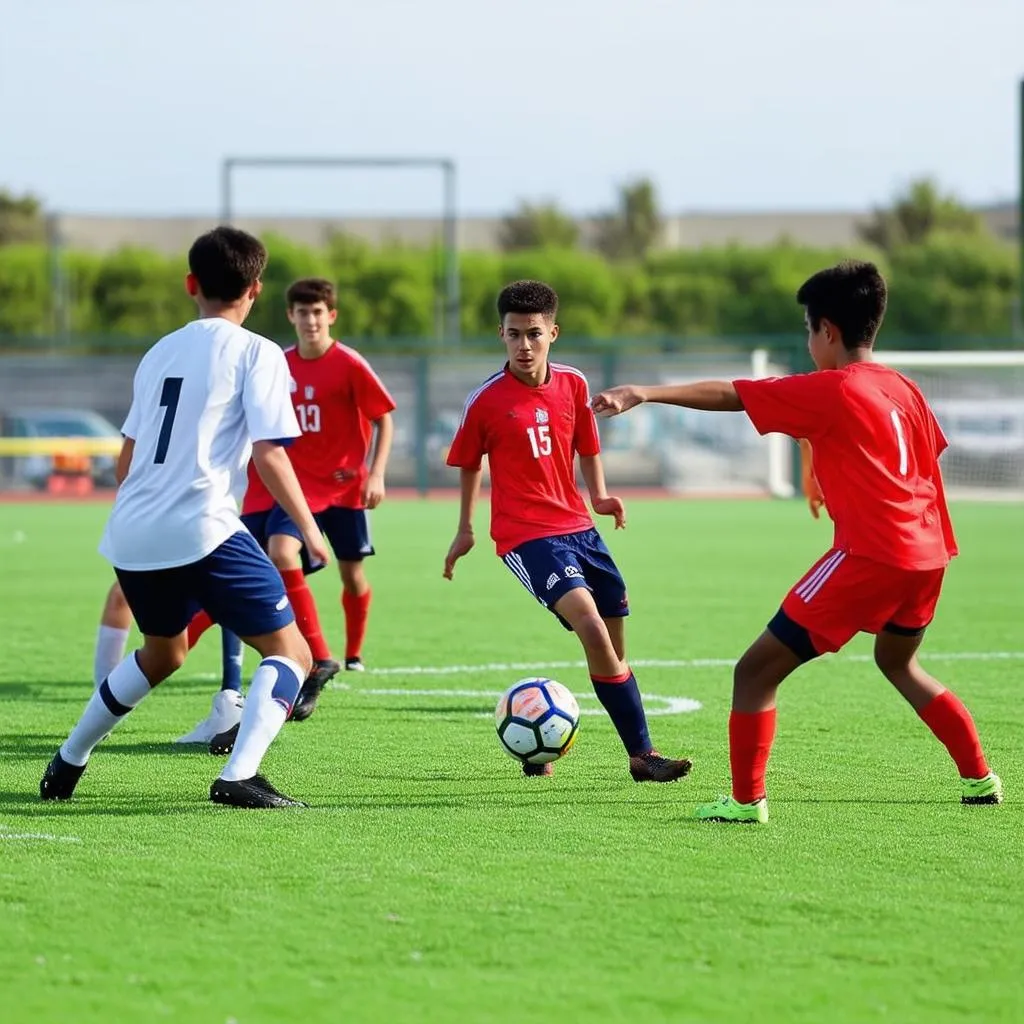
[59, 446]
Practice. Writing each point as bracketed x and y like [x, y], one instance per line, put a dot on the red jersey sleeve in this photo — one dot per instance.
[585, 440]
[372, 398]
[803, 405]
[467, 447]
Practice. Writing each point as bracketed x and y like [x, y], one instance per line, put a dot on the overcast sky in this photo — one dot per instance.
[128, 106]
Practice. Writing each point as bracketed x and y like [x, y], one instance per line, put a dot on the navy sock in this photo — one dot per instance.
[622, 702]
[231, 661]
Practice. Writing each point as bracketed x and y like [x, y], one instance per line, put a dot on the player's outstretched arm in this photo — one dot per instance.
[709, 395]
[275, 470]
[601, 501]
[373, 490]
[469, 492]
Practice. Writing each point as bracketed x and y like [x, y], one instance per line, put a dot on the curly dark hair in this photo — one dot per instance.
[528, 297]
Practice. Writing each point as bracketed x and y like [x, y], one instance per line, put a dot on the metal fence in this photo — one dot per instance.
[656, 447]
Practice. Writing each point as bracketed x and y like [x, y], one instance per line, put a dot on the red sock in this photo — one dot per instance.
[954, 729]
[306, 616]
[200, 623]
[357, 612]
[750, 743]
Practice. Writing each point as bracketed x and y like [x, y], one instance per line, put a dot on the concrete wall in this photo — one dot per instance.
[688, 231]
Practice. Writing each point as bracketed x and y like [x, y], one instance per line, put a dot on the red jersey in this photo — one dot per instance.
[337, 396]
[531, 436]
[876, 448]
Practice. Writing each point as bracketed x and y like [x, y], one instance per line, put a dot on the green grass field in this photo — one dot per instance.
[429, 881]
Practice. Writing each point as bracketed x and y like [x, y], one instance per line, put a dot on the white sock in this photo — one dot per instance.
[263, 716]
[123, 688]
[110, 644]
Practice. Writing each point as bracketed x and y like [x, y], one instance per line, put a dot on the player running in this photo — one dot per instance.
[204, 397]
[340, 403]
[112, 641]
[531, 419]
[876, 446]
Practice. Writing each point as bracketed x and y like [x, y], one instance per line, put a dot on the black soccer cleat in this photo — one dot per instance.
[534, 771]
[224, 742]
[59, 779]
[253, 794]
[652, 767]
[305, 704]
[354, 665]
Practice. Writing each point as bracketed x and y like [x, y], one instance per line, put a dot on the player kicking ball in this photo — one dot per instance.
[876, 446]
[203, 398]
[531, 419]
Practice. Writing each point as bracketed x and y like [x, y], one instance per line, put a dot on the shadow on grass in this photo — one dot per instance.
[39, 746]
[42, 690]
[26, 804]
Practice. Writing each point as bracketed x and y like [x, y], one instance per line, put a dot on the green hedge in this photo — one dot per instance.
[956, 285]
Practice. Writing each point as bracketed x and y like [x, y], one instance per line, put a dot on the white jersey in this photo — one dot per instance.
[202, 395]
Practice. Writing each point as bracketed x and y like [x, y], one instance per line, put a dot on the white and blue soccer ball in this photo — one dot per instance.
[537, 720]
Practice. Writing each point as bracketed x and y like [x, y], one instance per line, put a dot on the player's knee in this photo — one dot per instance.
[353, 578]
[893, 665]
[284, 560]
[158, 662]
[593, 633]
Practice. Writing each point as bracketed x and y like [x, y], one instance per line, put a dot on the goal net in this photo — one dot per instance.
[978, 399]
[691, 452]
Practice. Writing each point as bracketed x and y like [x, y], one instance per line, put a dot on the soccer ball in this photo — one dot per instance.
[537, 720]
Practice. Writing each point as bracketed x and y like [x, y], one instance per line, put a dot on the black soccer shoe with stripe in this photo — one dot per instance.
[59, 779]
[253, 794]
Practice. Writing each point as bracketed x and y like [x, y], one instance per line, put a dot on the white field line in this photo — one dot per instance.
[536, 666]
[539, 666]
[657, 705]
[5, 833]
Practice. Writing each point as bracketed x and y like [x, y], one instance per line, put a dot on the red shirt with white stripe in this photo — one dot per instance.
[876, 447]
[336, 396]
[531, 436]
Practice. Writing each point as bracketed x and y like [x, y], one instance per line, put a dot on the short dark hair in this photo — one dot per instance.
[528, 297]
[852, 295]
[226, 262]
[310, 290]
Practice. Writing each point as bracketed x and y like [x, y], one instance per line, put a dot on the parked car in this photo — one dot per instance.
[35, 470]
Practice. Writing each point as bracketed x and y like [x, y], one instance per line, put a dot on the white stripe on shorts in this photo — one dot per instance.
[515, 563]
[810, 587]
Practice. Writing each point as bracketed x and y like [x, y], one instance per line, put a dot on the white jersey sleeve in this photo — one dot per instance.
[269, 413]
[131, 422]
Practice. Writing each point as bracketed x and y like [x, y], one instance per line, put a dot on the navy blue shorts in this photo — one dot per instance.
[347, 530]
[258, 524]
[552, 566]
[236, 584]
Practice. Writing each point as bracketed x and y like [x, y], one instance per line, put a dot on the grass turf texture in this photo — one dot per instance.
[430, 882]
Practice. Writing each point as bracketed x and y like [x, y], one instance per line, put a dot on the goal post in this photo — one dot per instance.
[978, 399]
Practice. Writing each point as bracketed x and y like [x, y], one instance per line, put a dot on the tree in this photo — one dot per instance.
[634, 229]
[916, 215]
[540, 226]
[21, 219]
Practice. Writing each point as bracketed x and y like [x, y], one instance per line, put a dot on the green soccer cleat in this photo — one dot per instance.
[988, 790]
[725, 808]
